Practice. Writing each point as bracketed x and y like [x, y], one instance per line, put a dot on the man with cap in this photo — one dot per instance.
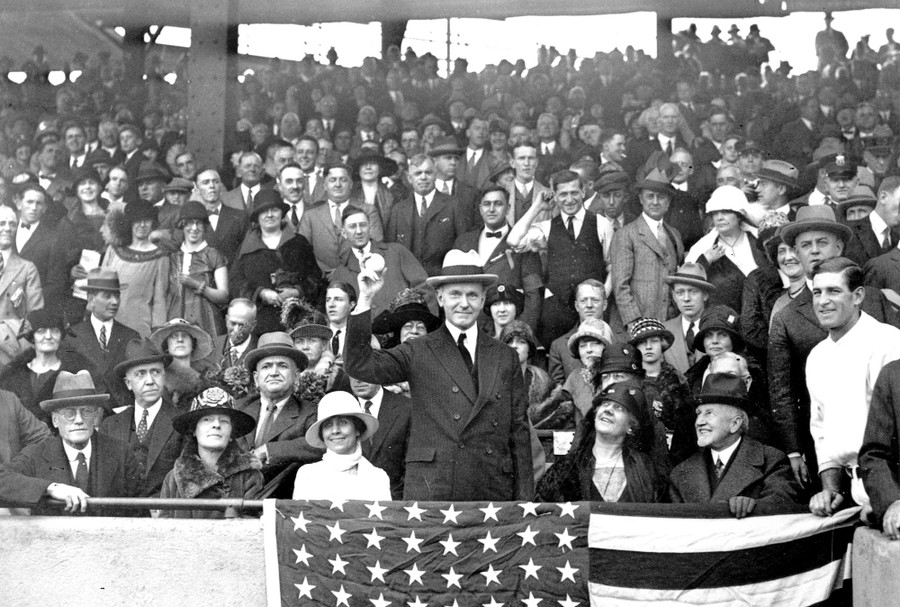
[776, 182]
[731, 467]
[840, 179]
[77, 463]
[101, 338]
[611, 192]
[590, 302]
[282, 418]
[469, 437]
[690, 291]
[446, 154]
[879, 232]
[644, 252]
[322, 225]
[475, 169]
[816, 236]
[145, 423]
[175, 194]
[249, 171]
[428, 222]
[228, 226]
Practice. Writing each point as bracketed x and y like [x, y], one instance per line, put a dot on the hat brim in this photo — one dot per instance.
[790, 231]
[312, 434]
[740, 402]
[737, 340]
[203, 343]
[122, 368]
[655, 186]
[265, 206]
[845, 173]
[386, 166]
[446, 152]
[694, 282]
[485, 279]
[254, 356]
[666, 335]
[392, 322]
[314, 331]
[241, 423]
[90, 400]
[776, 177]
[577, 337]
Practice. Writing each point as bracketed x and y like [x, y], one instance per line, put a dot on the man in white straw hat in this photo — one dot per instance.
[469, 437]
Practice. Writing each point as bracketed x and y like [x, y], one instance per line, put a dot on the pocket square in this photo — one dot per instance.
[445, 219]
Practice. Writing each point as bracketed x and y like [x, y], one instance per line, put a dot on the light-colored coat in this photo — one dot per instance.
[329, 246]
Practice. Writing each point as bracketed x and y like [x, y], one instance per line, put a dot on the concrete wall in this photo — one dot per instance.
[130, 562]
[875, 562]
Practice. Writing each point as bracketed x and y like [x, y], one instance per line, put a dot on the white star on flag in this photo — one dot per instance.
[338, 505]
[380, 602]
[338, 564]
[568, 602]
[530, 569]
[452, 580]
[449, 545]
[490, 512]
[455, 603]
[303, 555]
[493, 603]
[341, 596]
[336, 532]
[532, 601]
[305, 589]
[528, 536]
[377, 571]
[567, 509]
[415, 575]
[567, 572]
[414, 511]
[300, 522]
[412, 542]
[416, 603]
[529, 508]
[491, 575]
[450, 514]
[565, 539]
[374, 538]
[375, 510]
[489, 542]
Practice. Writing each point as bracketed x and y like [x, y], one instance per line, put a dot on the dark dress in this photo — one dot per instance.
[571, 479]
[728, 278]
[76, 232]
[762, 289]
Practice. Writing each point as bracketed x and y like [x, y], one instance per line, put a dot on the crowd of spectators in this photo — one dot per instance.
[694, 258]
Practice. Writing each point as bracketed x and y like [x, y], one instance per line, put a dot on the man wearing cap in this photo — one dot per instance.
[690, 291]
[469, 434]
[145, 423]
[611, 193]
[446, 155]
[526, 190]
[282, 418]
[816, 236]
[249, 171]
[840, 180]
[878, 233]
[428, 222]
[731, 467]
[175, 193]
[644, 252]
[475, 169]
[228, 226]
[79, 462]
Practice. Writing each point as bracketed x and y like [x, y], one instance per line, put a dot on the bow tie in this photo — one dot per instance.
[497, 234]
[213, 212]
[24, 226]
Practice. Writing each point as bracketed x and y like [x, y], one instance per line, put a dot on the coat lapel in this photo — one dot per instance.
[436, 206]
[387, 415]
[162, 430]
[805, 307]
[11, 272]
[486, 361]
[448, 355]
[649, 238]
[695, 479]
[58, 469]
[742, 471]
[289, 413]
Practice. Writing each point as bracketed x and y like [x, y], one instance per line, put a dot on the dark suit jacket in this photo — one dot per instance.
[230, 232]
[83, 341]
[550, 163]
[796, 143]
[165, 444]
[285, 441]
[467, 442]
[387, 448]
[561, 362]
[522, 270]
[864, 246]
[640, 151]
[465, 196]
[883, 272]
[755, 470]
[37, 249]
[478, 177]
[114, 472]
[219, 354]
[445, 221]
[879, 457]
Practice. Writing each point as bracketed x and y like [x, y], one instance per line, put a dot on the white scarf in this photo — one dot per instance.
[188, 253]
[340, 462]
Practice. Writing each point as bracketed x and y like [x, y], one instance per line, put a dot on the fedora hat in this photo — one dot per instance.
[410, 304]
[819, 218]
[861, 196]
[445, 145]
[179, 184]
[192, 211]
[720, 318]
[386, 166]
[342, 404]
[723, 389]
[593, 328]
[656, 181]
[692, 274]
[203, 343]
[74, 390]
[209, 401]
[276, 343]
[265, 199]
[151, 171]
[779, 171]
[101, 279]
[140, 352]
[460, 266]
[645, 328]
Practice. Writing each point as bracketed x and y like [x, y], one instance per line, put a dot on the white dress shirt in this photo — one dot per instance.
[72, 456]
[487, 245]
[429, 198]
[725, 454]
[214, 219]
[471, 338]
[96, 323]
[375, 400]
[152, 412]
[23, 234]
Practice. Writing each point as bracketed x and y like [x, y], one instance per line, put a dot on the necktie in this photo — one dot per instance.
[497, 234]
[2, 265]
[886, 242]
[142, 428]
[249, 204]
[336, 218]
[294, 219]
[423, 206]
[546, 149]
[661, 236]
[81, 472]
[368, 407]
[445, 189]
[336, 343]
[233, 356]
[719, 467]
[471, 161]
[103, 337]
[467, 358]
[669, 149]
[265, 422]
[689, 337]
[571, 227]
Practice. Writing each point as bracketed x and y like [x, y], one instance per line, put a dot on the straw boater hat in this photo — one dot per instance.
[203, 343]
[691, 274]
[74, 390]
[302, 320]
[209, 401]
[819, 218]
[408, 305]
[593, 328]
[140, 352]
[460, 267]
[645, 328]
[723, 389]
[276, 343]
[341, 404]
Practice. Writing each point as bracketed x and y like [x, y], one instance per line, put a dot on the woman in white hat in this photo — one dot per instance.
[343, 474]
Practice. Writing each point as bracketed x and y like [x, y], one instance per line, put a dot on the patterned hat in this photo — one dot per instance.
[611, 181]
[645, 328]
[720, 318]
[302, 320]
[209, 401]
[590, 327]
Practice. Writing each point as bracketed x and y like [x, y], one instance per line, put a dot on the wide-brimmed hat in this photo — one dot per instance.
[342, 404]
[386, 166]
[861, 196]
[611, 181]
[657, 181]
[723, 389]
[74, 390]
[179, 184]
[445, 145]
[505, 292]
[276, 343]
[139, 210]
[720, 318]
[84, 173]
[140, 352]
[728, 198]
[151, 171]
[209, 401]
[203, 343]
[42, 318]
[192, 211]
[409, 304]
[265, 199]
[840, 167]
[692, 274]
[779, 171]
[102, 279]
[620, 358]
[818, 218]
[593, 328]
[519, 329]
[459, 267]
[645, 328]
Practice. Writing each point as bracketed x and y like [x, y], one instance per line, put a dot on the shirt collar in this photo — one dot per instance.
[579, 215]
[429, 197]
[360, 253]
[152, 411]
[726, 453]
[376, 402]
[524, 188]
[878, 224]
[279, 405]
[97, 323]
[502, 229]
[72, 452]
[471, 333]
[653, 223]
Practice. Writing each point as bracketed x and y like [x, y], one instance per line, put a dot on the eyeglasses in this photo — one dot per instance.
[87, 413]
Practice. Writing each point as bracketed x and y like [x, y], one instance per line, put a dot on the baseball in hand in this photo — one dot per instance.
[375, 263]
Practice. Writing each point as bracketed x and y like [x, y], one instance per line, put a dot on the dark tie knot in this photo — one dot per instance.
[497, 234]
[212, 212]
